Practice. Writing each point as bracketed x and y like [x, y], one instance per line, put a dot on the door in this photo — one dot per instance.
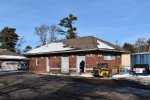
[79, 59]
[65, 64]
[47, 64]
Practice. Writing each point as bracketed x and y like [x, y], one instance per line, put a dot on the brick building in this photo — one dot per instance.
[65, 56]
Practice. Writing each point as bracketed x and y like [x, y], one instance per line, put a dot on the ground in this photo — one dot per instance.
[25, 85]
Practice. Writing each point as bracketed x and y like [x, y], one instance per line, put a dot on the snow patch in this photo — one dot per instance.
[86, 75]
[82, 75]
[142, 79]
[103, 45]
[121, 76]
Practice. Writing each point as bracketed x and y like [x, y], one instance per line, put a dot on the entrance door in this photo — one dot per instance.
[47, 64]
[79, 59]
[65, 64]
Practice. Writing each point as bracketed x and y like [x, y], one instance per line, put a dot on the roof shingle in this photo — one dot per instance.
[7, 52]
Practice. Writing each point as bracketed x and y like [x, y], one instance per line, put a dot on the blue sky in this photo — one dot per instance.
[111, 20]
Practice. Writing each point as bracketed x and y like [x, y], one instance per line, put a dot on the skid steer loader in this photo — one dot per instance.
[102, 70]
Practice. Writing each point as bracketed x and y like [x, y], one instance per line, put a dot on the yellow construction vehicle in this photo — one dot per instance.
[102, 70]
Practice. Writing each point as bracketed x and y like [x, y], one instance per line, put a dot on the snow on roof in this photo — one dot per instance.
[102, 45]
[52, 47]
[11, 57]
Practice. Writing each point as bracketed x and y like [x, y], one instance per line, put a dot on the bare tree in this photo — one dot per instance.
[47, 33]
[141, 44]
[19, 45]
[54, 31]
[117, 43]
[42, 33]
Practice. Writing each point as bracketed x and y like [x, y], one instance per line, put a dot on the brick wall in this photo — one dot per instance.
[55, 62]
[72, 63]
[93, 59]
[41, 67]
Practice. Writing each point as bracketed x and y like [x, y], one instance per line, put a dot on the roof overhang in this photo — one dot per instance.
[73, 51]
[11, 57]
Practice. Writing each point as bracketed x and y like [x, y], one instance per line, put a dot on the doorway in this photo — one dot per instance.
[79, 59]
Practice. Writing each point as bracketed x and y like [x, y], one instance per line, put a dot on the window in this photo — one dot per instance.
[36, 61]
[109, 57]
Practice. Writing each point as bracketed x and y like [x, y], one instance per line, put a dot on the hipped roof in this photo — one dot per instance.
[76, 44]
[9, 55]
[7, 52]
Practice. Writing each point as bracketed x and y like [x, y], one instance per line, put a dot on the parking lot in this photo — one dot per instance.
[28, 86]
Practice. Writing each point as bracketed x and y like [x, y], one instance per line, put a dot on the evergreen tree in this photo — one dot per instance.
[68, 22]
[8, 38]
[27, 48]
[129, 47]
[148, 41]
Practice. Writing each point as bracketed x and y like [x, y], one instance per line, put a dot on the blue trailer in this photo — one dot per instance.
[140, 58]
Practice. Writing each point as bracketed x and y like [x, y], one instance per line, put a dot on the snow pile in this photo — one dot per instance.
[121, 76]
[11, 57]
[54, 74]
[52, 47]
[142, 79]
[86, 75]
[103, 45]
[82, 75]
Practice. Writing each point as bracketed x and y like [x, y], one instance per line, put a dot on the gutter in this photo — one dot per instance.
[14, 59]
[68, 51]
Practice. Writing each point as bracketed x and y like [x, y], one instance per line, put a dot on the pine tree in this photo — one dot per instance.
[68, 22]
[129, 47]
[27, 48]
[8, 38]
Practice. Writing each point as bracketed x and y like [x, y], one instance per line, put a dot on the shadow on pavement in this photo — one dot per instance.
[11, 73]
[48, 87]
